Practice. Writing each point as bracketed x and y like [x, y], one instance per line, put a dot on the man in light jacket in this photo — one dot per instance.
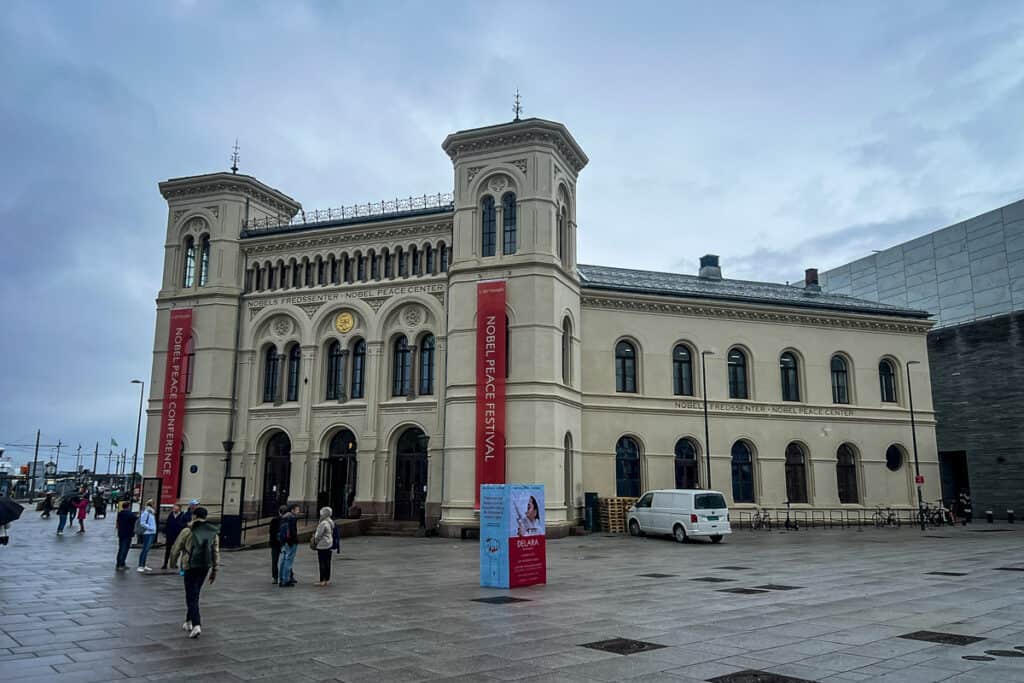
[147, 524]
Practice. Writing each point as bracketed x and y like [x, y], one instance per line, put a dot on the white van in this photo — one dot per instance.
[684, 513]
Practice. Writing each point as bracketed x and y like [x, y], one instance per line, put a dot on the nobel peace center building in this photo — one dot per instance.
[386, 359]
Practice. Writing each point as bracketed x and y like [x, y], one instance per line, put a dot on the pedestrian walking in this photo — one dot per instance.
[174, 526]
[63, 510]
[125, 532]
[275, 541]
[83, 510]
[289, 537]
[9, 512]
[4, 538]
[199, 551]
[147, 527]
[323, 543]
[192, 504]
[47, 506]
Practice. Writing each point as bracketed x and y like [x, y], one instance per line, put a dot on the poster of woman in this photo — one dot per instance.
[526, 512]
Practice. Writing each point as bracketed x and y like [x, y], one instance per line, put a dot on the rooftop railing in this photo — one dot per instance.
[391, 207]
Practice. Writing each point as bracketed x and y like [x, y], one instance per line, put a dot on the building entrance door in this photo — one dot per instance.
[411, 476]
[277, 472]
[953, 476]
[337, 481]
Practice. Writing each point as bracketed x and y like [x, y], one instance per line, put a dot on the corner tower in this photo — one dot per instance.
[515, 220]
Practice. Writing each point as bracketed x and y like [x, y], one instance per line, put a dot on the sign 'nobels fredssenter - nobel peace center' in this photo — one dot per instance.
[512, 551]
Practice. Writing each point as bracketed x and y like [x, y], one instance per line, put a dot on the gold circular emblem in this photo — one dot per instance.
[344, 322]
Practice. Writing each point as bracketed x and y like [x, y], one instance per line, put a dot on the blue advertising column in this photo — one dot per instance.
[512, 541]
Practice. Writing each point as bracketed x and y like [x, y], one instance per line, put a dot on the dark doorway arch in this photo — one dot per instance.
[627, 467]
[686, 465]
[277, 472]
[337, 482]
[411, 476]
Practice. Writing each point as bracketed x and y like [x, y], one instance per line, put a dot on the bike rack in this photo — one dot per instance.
[816, 517]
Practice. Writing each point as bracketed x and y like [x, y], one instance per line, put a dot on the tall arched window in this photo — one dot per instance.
[562, 246]
[271, 371]
[375, 266]
[566, 351]
[790, 377]
[796, 474]
[887, 380]
[840, 380]
[427, 365]
[488, 227]
[401, 369]
[508, 219]
[358, 369]
[296, 275]
[682, 371]
[389, 269]
[428, 253]
[627, 467]
[403, 263]
[415, 255]
[846, 474]
[686, 465]
[189, 274]
[204, 260]
[361, 267]
[742, 473]
[335, 371]
[294, 361]
[444, 256]
[738, 374]
[625, 367]
[190, 364]
[570, 496]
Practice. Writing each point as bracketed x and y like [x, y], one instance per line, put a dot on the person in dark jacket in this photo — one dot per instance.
[47, 506]
[289, 537]
[125, 531]
[175, 523]
[63, 510]
[275, 541]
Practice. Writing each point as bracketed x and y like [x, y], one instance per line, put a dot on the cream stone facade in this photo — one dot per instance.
[334, 355]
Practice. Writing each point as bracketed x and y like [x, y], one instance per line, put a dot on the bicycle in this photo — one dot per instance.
[762, 520]
[885, 518]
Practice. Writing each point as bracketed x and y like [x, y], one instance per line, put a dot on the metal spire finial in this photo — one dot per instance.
[234, 158]
[517, 108]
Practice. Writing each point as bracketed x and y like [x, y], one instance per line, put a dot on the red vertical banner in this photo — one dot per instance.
[490, 385]
[172, 418]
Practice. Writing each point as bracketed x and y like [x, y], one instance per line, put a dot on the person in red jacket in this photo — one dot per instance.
[83, 508]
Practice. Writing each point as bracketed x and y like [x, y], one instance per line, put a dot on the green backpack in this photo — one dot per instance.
[200, 555]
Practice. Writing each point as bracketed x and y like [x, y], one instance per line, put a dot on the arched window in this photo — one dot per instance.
[738, 374]
[846, 474]
[627, 467]
[686, 465]
[401, 371]
[189, 274]
[894, 458]
[428, 253]
[416, 255]
[375, 267]
[389, 269]
[358, 369]
[204, 260]
[294, 361]
[566, 351]
[427, 365]
[190, 363]
[887, 380]
[625, 367]
[840, 380]
[682, 371]
[796, 474]
[742, 473]
[335, 371]
[271, 370]
[508, 219]
[570, 497]
[309, 273]
[403, 263]
[271, 276]
[361, 268]
[562, 246]
[790, 377]
[321, 271]
[296, 275]
[488, 227]
[444, 257]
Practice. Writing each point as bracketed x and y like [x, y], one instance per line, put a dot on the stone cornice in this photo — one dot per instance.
[515, 134]
[757, 313]
[364, 237]
[219, 183]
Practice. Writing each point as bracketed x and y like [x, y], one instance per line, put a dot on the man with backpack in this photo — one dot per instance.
[199, 549]
[289, 537]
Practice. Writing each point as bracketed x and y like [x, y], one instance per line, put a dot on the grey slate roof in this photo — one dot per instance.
[692, 286]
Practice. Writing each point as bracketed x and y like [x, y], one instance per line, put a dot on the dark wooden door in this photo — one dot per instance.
[411, 487]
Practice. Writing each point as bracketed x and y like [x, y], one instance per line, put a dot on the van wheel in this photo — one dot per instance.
[716, 539]
[634, 528]
[679, 533]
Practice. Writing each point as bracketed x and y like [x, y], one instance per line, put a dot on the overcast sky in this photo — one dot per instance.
[780, 135]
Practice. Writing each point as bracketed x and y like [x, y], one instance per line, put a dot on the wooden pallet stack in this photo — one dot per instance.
[613, 513]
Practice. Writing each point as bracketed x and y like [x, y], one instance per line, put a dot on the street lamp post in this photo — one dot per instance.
[138, 428]
[707, 431]
[913, 438]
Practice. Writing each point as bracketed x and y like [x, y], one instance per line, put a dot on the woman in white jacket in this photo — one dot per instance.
[323, 542]
[147, 524]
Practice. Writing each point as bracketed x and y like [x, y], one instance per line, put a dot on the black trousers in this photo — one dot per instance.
[324, 557]
[193, 585]
[168, 544]
[275, 559]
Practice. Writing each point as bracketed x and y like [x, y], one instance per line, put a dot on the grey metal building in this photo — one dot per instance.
[970, 276]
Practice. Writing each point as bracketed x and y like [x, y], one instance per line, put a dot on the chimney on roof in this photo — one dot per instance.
[709, 267]
[811, 280]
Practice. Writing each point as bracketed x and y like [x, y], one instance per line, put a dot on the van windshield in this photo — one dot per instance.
[709, 501]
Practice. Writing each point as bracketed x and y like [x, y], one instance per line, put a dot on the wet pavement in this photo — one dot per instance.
[822, 605]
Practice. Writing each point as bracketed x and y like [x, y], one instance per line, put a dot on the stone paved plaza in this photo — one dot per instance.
[403, 610]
